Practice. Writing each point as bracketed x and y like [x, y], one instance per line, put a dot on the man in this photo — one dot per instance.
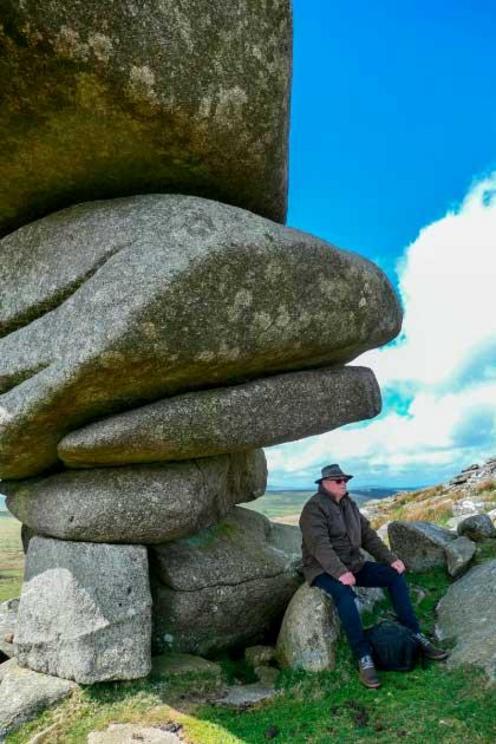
[333, 532]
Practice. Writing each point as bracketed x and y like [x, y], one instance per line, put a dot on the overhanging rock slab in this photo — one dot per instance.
[106, 99]
[140, 504]
[260, 413]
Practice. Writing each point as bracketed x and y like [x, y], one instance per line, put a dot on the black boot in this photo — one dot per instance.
[367, 673]
[428, 648]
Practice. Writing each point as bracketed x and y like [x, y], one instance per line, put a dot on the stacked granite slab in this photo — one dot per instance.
[152, 344]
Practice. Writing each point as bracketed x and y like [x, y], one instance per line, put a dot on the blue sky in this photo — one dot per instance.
[393, 155]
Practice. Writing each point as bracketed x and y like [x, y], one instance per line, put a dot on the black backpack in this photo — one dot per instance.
[394, 647]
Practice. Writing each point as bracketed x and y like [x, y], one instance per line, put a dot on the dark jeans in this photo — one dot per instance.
[371, 574]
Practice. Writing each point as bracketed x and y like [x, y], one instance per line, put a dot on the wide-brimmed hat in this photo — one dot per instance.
[332, 471]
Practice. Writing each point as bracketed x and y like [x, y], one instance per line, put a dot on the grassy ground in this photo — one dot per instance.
[11, 557]
[427, 705]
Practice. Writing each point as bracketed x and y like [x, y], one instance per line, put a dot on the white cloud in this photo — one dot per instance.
[447, 285]
[442, 368]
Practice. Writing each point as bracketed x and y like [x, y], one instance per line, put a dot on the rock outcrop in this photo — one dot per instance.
[108, 99]
[471, 492]
[150, 343]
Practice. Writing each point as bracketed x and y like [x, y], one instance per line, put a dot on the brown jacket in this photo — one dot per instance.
[333, 535]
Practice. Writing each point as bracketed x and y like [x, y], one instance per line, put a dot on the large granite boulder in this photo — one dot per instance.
[225, 586]
[24, 694]
[477, 527]
[109, 99]
[85, 611]
[421, 545]
[165, 294]
[264, 412]
[466, 614]
[140, 504]
[309, 631]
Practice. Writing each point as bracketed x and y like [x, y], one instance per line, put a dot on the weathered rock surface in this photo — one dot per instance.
[177, 665]
[141, 504]
[130, 733]
[266, 675]
[225, 586]
[104, 100]
[466, 613]
[8, 617]
[85, 611]
[459, 553]
[180, 293]
[477, 527]
[421, 545]
[23, 694]
[309, 631]
[257, 414]
[259, 655]
[244, 696]
[5, 666]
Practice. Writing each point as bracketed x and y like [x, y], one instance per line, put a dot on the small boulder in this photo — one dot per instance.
[477, 527]
[459, 553]
[309, 631]
[24, 693]
[267, 675]
[421, 545]
[466, 614]
[242, 697]
[8, 617]
[85, 611]
[177, 665]
[259, 655]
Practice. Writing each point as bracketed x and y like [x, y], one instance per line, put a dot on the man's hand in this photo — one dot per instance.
[348, 579]
[398, 566]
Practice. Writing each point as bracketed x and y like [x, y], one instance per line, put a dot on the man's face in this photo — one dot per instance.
[335, 487]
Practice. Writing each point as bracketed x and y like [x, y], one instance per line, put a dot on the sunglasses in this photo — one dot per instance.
[339, 480]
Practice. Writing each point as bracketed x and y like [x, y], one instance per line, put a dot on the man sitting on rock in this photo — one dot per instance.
[333, 531]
